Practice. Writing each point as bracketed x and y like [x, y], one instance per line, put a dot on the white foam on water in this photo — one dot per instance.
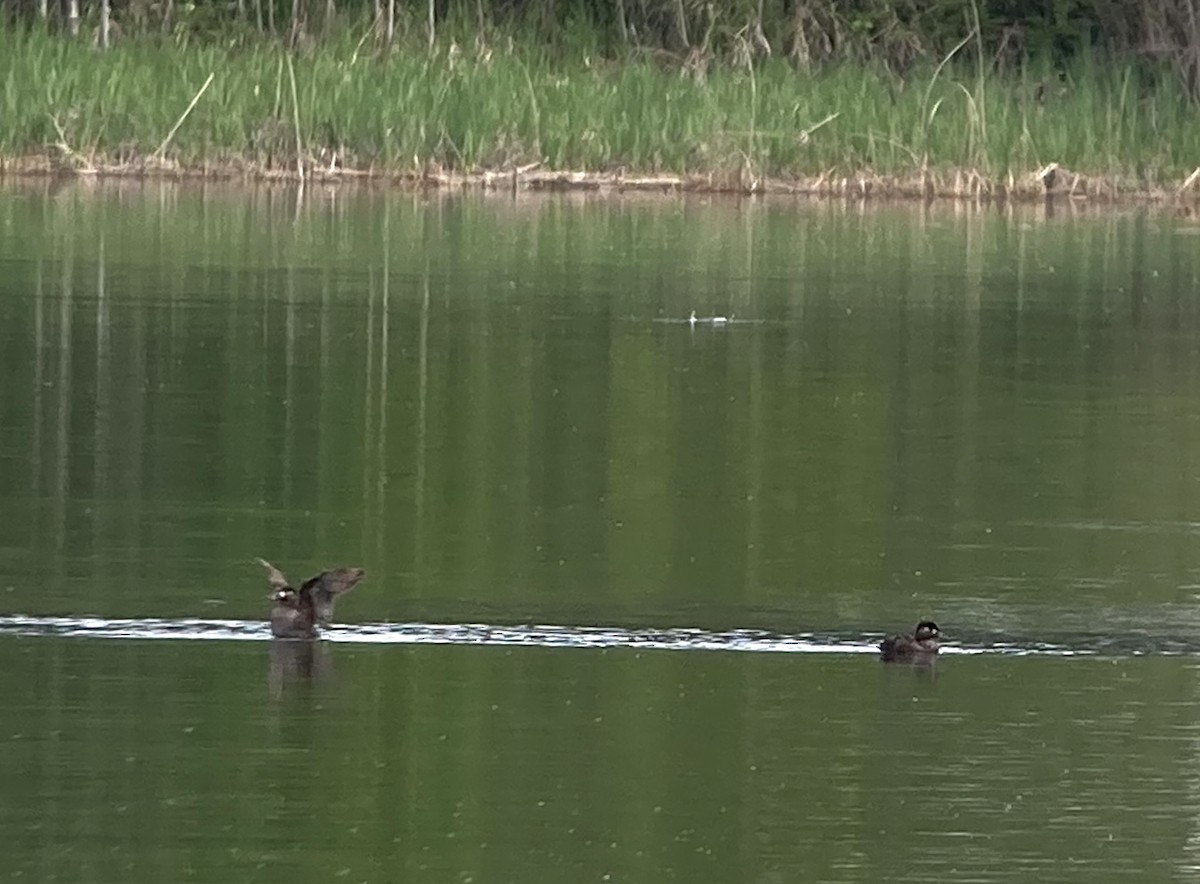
[541, 636]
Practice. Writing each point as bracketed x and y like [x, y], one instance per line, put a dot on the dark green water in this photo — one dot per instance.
[992, 419]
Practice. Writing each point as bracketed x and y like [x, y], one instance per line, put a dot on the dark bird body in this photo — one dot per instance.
[293, 615]
[922, 645]
[297, 612]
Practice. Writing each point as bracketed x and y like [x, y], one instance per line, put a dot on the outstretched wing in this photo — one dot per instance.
[274, 575]
[334, 583]
[325, 588]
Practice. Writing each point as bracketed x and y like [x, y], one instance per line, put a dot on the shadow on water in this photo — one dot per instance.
[308, 659]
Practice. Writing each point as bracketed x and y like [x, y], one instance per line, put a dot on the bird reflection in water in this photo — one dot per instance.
[297, 661]
[296, 655]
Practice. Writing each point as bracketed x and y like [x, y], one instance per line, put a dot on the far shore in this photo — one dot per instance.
[1050, 182]
[496, 109]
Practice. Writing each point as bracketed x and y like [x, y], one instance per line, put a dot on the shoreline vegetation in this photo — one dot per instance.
[471, 103]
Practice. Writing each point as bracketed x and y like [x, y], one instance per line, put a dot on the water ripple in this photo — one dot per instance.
[549, 636]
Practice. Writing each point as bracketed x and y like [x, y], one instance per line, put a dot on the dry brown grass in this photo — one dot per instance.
[1052, 181]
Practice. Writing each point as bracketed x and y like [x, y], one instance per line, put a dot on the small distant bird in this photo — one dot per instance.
[297, 612]
[922, 645]
[708, 320]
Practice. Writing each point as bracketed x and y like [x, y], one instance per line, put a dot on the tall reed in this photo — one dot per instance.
[474, 103]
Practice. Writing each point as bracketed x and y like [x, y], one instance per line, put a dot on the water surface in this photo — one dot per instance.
[625, 571]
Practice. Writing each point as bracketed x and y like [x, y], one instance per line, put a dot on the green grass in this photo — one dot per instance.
[486, 104]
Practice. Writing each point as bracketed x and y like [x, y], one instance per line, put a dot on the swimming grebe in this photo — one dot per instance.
[298, 611]
[922, 644]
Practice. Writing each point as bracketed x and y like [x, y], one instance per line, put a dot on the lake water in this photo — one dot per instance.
[625, 572]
